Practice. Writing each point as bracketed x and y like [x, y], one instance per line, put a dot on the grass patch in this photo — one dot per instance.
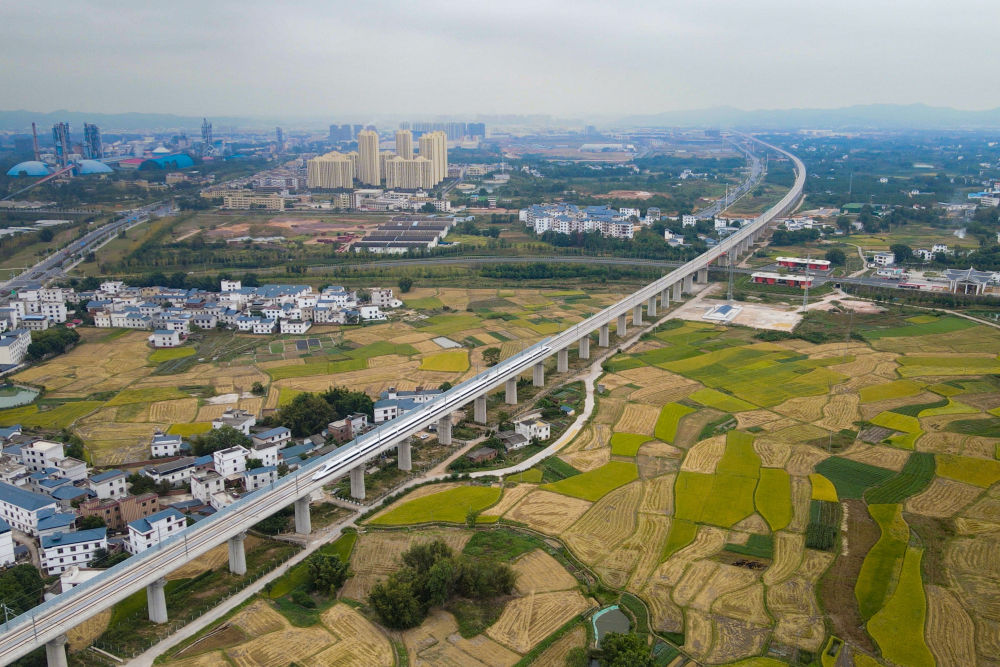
[758, 546]
[666, 423]
[627, 444]
[682, 533]
[881, 564]
[822, 488]
[454, 361]
[555, 469]
[595, 484]
[773, 497]
[899, 627]
[298, 576]
[187, 430]
[146, 395]
[500, 545]
[916, 474]
[452, 505]
[852, 478]
[716, 399]
[978, 472]
[823, 526]
[170, 353]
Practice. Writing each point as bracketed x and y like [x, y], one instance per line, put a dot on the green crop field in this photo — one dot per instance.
[316, 368]
[597, 483]
[898, 627]
[851, 478]
[627, 444]
[379, 349]
[531, 475]
[921, 366]
[444, 325]
[187, 430]
[720, 500]
[716, 399]
[938, 325]
[170, 353]
[909, 426]
[146, 395]
[621, 362]
[952, 408]
[682, 533]
[739, 458]
[773, 497]
[670, 416]
[758, 546]
[887, 390]
[882, 563]
[915, 476]
[455, 361]
[299, 575]
[978, 472]
[59, 417]
[424, 303]
[452, 505]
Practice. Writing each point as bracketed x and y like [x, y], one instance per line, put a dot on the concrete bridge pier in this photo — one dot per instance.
[303, 521]
[510, 392]
[404, 455]
[562, 360]
[585, 347]
[156, 601]
[702, 276]
[538, 374]
[237, 554]
[444, 430]
[358, 482]
[677, 291]
[637, 315]
[665, 299]
[651, 306]
[479, 409]
[688, 284]
[604, 337]
[55, 652]
[622, 326]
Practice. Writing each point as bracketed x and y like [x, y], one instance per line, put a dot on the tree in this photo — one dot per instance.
[445, 386]
[491, 356]
[327, 572]
[428, 208]
[88, 522]
[253, 464]
[218, 438]
[139, 483]
[836, 257]
[902, 252]
[844, 224]
[306, 414]
[46, 235]
[257, 389]
[625, 650]
[405, 283]
[21, 587]
[395, 603]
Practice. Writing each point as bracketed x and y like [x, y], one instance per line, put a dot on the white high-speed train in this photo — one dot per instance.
[461, 394]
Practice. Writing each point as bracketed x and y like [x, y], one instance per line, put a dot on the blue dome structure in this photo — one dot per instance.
[175, 161]
[93, 167]
[29, 168]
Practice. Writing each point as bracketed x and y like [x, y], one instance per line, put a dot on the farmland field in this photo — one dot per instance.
[450, 506]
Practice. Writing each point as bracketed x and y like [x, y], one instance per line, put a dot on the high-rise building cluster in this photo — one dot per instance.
[400, 170]
[344, 132]
[455, 131]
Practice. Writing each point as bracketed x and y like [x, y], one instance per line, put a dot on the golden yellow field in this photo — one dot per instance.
[605, 525]
[437, 642]
[530, 619]
[548, 512]
[538, 572]
[556, 654]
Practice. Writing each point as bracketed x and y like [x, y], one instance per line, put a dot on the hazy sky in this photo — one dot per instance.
[570, 58]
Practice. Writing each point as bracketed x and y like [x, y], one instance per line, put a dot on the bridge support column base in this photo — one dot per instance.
[403, 455]
[604, 337]
[702, 276]
[303, 521]
[665, 299]
[677, 291]
[444, 430]
[156, 601]
[651, 307]
[637, 315]
[479, 410]
[538, 374]
[237, 555]
[55, 652]
[585, 347]
[510, 392]
[688, 284]
[622, 326]
[358, 482]
[562, 361]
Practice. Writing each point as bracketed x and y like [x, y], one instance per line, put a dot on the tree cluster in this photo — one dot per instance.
[51, 342]
[309, 413]
[21, 588]
[625, 650]
[327, 573]
[431, 575]
[217, 439]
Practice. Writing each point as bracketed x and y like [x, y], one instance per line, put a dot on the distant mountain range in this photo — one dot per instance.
[868, 116]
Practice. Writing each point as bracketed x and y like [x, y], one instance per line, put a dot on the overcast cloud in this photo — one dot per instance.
[569, 58]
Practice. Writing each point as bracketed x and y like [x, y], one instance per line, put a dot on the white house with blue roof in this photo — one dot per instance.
[22, 509]
[61, 551]
[165, 338]
[108, 484]
[14, 346]
[148, 532]
[394, 403]
[51, 522]
[6, 544]
[259, 478]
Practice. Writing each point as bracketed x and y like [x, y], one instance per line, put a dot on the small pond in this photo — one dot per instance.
[609, 619]
[11, 397]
